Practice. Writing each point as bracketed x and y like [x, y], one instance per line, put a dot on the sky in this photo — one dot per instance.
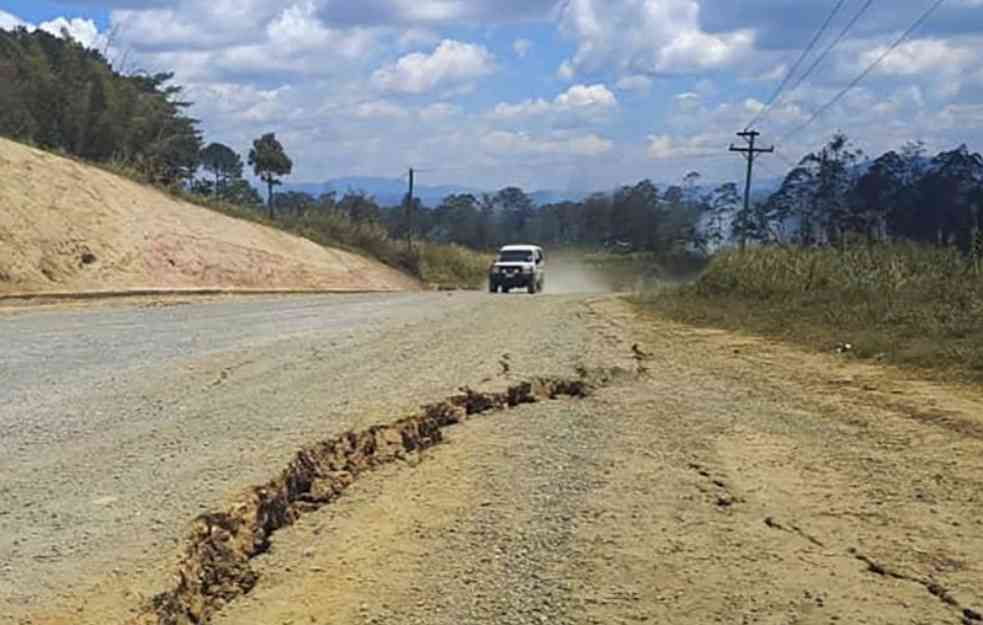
[576, 95]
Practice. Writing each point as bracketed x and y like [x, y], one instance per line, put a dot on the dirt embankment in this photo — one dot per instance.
[65, 226]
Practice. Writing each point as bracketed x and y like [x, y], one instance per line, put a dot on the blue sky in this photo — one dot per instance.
[563, 94]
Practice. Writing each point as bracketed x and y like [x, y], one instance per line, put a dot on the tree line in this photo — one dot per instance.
[60, 95]
[837, 194]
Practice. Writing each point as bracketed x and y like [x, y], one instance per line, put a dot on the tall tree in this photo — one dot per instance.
[222, 162]
[270, 162]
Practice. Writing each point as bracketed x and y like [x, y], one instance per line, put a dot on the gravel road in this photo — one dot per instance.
[736, 480]
[120, 424]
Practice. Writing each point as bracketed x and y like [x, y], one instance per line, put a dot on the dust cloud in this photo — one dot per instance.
[571, 273]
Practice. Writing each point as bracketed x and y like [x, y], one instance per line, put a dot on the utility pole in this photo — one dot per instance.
[750, 153]
[410, 206]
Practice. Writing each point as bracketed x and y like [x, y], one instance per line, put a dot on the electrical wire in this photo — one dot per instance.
[825, 53]
[869, 70]
[802, 57]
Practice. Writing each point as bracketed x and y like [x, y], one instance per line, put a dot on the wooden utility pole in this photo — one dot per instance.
[410, 206]
[750, 153]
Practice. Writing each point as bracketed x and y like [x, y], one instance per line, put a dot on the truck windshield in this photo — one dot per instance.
[515, 257]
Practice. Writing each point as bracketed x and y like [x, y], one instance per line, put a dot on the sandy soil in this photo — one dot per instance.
[65, 226]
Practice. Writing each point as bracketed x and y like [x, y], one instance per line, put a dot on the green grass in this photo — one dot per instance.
[902, 303]
[453, 266]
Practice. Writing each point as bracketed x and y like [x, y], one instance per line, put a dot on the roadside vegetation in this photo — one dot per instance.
[904, 303]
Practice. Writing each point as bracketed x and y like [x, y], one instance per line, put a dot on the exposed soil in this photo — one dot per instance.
[65, 226]
[710, 478]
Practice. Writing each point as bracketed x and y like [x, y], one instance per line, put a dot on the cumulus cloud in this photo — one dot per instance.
[647, 37]
[10, 22]
[505, 142]
[588, 101]
[451, 64]
[925, 57]
[81, 30]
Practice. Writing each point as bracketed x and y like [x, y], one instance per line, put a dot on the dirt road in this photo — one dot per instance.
[709, 478]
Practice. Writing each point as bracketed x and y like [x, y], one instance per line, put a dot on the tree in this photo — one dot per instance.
[222, 162]
[461, 214]
[57, 94]
[269, 162]
[721, 205]
[834, 170]
[517, 209]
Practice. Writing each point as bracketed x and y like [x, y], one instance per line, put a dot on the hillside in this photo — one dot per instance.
[65, 226]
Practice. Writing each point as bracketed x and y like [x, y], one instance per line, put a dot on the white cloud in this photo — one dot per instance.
[587, 101]
[233, 102]
[521, 47]
[663, 147]
[582, 96]
[452, 64]
[647, 37]
[634, 83]
[963, 116]
[688, 101]
[438, 111]
[81, 30]
[380, 109]
[414, 37]
[922, 56]
[506, 143]
[566, 71]
[10, 22]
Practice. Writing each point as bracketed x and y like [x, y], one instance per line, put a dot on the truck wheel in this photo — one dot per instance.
[493, 288]
[532, 288]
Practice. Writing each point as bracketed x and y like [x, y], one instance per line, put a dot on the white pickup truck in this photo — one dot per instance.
[518, 266]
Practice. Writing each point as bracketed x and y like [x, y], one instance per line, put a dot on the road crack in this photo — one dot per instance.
[795, 529]
[215, 564]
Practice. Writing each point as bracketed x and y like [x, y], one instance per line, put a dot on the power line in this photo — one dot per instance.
[802, 57]
[832, 46]
[870, 68]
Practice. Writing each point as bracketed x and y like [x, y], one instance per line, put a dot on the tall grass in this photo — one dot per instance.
[905, 303]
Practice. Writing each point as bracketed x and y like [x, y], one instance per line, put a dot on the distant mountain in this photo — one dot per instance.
[390, 191]
[386, 191]
[542, 198]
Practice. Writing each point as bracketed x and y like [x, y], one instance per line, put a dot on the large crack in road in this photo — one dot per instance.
[215, 568]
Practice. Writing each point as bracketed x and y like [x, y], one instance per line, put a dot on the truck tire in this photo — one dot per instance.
[532, 288]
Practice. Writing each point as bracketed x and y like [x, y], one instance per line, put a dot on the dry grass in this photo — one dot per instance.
[905, 304]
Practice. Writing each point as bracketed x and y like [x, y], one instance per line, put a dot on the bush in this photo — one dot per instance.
[453, 266]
